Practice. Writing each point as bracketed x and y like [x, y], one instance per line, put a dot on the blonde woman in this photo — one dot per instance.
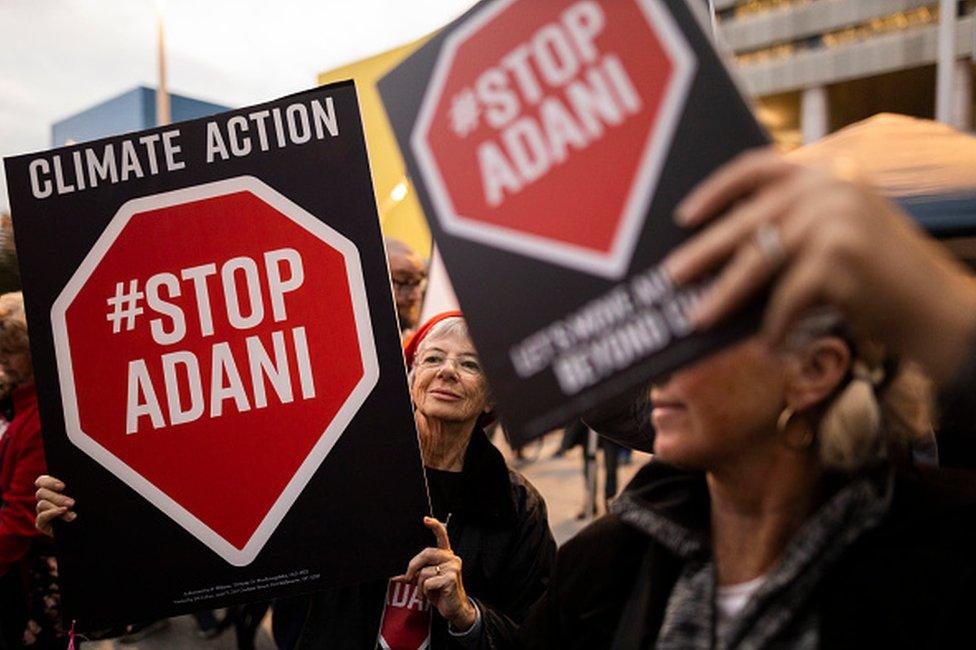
[783, 508]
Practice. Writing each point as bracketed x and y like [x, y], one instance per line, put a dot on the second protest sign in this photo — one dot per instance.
[550, 142]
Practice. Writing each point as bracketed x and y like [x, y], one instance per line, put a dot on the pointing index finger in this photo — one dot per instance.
[440, 533]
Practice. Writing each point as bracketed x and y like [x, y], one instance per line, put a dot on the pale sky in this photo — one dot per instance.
[58, 57]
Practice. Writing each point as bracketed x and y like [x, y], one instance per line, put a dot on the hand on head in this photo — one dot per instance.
[819, 238]
[52, 504]
[437, 571]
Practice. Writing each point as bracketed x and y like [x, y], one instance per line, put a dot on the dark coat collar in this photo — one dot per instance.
[487, 489]
[671, 502]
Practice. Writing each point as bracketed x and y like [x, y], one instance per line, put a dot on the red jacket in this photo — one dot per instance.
[21, 462]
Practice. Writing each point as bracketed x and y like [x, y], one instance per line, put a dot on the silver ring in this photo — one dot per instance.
[437, 569]
[769, 243]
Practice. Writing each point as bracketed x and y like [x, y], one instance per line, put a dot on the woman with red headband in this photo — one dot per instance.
[494, 548]
[495, 521]
[493, 551]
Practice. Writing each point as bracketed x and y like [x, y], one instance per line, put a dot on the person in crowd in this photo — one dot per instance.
[408, 273]
[29, 609]
[577, 433]
[494, 548]
[783, 508]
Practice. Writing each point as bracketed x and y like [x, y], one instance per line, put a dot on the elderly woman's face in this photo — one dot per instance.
[16, 366]
[717, 407]
[448, 381]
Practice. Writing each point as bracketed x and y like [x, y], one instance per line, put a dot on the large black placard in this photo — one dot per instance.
[218, 363]
[549, 143]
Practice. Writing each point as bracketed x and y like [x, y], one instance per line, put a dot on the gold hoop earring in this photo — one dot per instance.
[784, 418]
[792, 442]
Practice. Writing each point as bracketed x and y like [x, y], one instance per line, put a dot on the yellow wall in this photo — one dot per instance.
[403, 218]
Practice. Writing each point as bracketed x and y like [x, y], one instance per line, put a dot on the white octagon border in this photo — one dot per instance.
[360, 304]
[614, 263]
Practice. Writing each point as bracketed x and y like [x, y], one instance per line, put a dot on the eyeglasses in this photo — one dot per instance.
[407, 285]
[464, 364]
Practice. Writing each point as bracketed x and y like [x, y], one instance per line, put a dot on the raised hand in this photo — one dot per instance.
[818, 237]
[438, 573]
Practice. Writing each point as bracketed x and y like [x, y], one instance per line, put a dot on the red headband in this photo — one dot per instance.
[410, 347]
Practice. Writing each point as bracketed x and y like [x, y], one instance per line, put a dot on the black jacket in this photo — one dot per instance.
[507, 550]
[908, 583]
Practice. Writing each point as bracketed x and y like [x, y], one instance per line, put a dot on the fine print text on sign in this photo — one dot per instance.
[550, 143]
[608, 334]
[218, 361]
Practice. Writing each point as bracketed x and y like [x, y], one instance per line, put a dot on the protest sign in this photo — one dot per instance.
[549, 143]
[217, 358]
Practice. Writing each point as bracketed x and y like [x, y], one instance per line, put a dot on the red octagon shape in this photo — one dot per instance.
[545, 126]
[232, 442]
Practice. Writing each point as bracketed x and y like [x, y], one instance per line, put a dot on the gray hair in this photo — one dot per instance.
[453, 326]
[398, 246]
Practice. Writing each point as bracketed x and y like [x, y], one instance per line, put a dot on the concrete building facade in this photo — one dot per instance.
[815, 66]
